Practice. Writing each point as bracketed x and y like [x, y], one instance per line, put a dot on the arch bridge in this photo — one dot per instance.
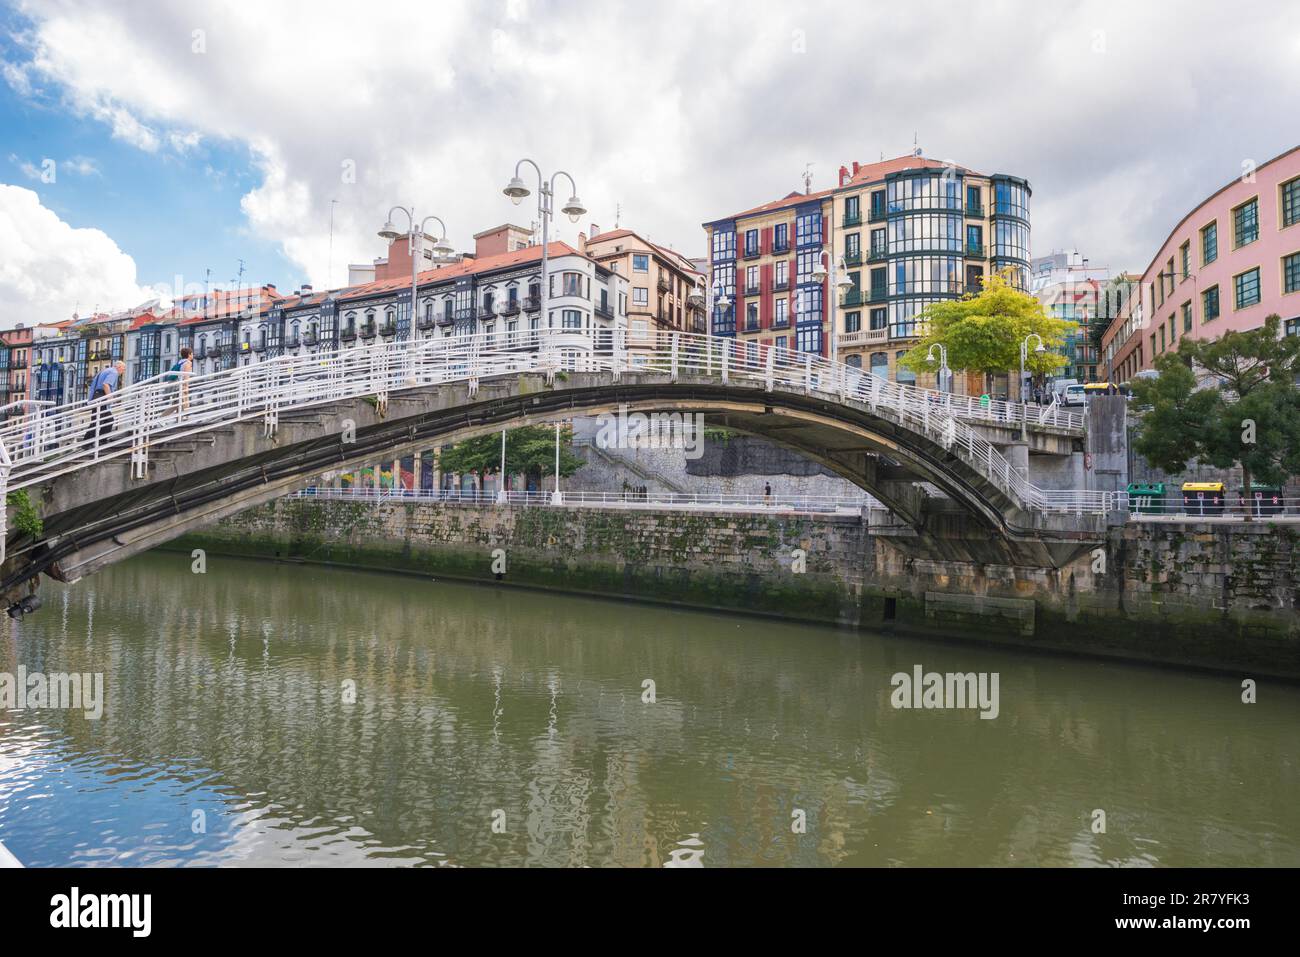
[114, 476]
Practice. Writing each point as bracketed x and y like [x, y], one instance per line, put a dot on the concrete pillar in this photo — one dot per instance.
[1017, 453]
[1107, 444]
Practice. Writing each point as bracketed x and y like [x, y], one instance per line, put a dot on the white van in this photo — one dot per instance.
[1058, 387]
[1074, 395]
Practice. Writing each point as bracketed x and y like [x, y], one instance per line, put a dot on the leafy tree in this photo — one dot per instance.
[983, 333]
[1244, 410]
[530, 450]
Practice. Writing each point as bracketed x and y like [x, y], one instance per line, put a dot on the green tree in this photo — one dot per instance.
[530, 450]
[1244, 410]
[983, 333]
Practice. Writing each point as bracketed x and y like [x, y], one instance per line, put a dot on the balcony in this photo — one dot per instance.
[752, 252]
[854, 258]
[878, 295]
[664, 285]
[604, 311]
[877, 215]
[486, 314]
[424, 324]
[446, 318]
[532, 303]
[975, 251]
[851, 219]
[877, 254]
[975, 211]
[752, 290]
[388, 330]
[291, 342]
[217, 352]
[781, 322]
[311, 340]
[751, 325]
[863, 337]
[511, 308]
[852, 298]
[348, 335]
[259, 346]
[781, 246]
[369, 332]
[781, 286]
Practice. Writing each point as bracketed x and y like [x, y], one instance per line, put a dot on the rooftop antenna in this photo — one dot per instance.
[330, 270]
[207, 289]
[618, 214]
[807, 178]
[916, 148]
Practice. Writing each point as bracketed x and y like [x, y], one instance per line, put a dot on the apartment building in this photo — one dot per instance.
[665, 289]
[1229, 263]
[15, 364]
[904, 233]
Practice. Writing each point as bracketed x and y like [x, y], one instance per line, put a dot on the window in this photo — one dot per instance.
[751, 281]
[1185, 258]
[1246, 288]
[878, 320]
[1245, 223]
[781, 315]
[1209, 243]
[1291, 272]
[1291, 203]
[640, 296]
[853, 246]
[780, 237]
[852, 321]
[852, 212]
[808, 230]
[1187, 316]
[783, 273]
[724, 245]
[751, 317]
[751, 242]
[640, 262]
[901, 374]
[880, 364]
[1210, 304]
[571, 319]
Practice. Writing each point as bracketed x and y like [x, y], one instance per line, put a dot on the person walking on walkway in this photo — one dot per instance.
[104, 385]
[179, 374]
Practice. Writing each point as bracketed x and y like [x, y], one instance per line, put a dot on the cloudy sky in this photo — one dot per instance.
[145, 143]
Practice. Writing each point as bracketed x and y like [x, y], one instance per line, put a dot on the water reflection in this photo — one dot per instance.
[228, 737]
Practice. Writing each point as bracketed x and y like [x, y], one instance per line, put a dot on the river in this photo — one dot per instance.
[279, 714]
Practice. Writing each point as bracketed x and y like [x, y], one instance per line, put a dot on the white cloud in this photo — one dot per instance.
[50, 268]
[1121, 115]
[81, 166]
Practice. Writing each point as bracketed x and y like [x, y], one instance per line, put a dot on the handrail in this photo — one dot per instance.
[127, 422]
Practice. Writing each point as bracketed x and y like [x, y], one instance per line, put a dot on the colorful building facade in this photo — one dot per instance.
[1229, 263]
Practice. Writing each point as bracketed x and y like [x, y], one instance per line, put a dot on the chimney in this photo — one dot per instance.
[306, 289]
[856, 167]
[582, 242]
[595, 230]
[271, 286]
[844, 175]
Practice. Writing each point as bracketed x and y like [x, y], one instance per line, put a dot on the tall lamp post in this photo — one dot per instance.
[827, 268]
[944, 371]
[517, 190]
[442, 249]
[1024, 355]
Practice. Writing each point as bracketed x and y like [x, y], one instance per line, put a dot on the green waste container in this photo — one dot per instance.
[1146, 498]
[1265, 500]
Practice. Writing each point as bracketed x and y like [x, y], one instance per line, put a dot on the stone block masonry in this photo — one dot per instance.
[1210, 595]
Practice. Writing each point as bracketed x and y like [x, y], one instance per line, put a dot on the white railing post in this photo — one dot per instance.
[769, 369]
[673, 365]
[807, 373]
[726, 349]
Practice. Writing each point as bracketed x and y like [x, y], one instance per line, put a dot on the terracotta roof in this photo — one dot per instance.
[142, 320]
[867, 173]
[467, 267]
[683, 262]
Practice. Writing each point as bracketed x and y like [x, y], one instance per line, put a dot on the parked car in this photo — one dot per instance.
[1074, 395]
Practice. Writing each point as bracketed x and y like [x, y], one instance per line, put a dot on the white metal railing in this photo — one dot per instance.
[644, 500]
[48, 442]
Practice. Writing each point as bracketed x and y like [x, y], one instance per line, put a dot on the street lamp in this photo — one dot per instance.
[1024, 355]
[517, 189]
[842, 284]
[944, 371]
[442, 249]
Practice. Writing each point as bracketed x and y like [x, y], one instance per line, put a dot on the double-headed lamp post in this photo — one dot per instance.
[415, 232]
[517, 190]
[838, 274]
[710, 295]
[944, 371]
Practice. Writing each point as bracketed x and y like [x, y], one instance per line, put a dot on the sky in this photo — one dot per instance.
[158, 145]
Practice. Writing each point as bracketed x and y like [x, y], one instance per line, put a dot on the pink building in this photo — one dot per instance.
[1230, 262]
